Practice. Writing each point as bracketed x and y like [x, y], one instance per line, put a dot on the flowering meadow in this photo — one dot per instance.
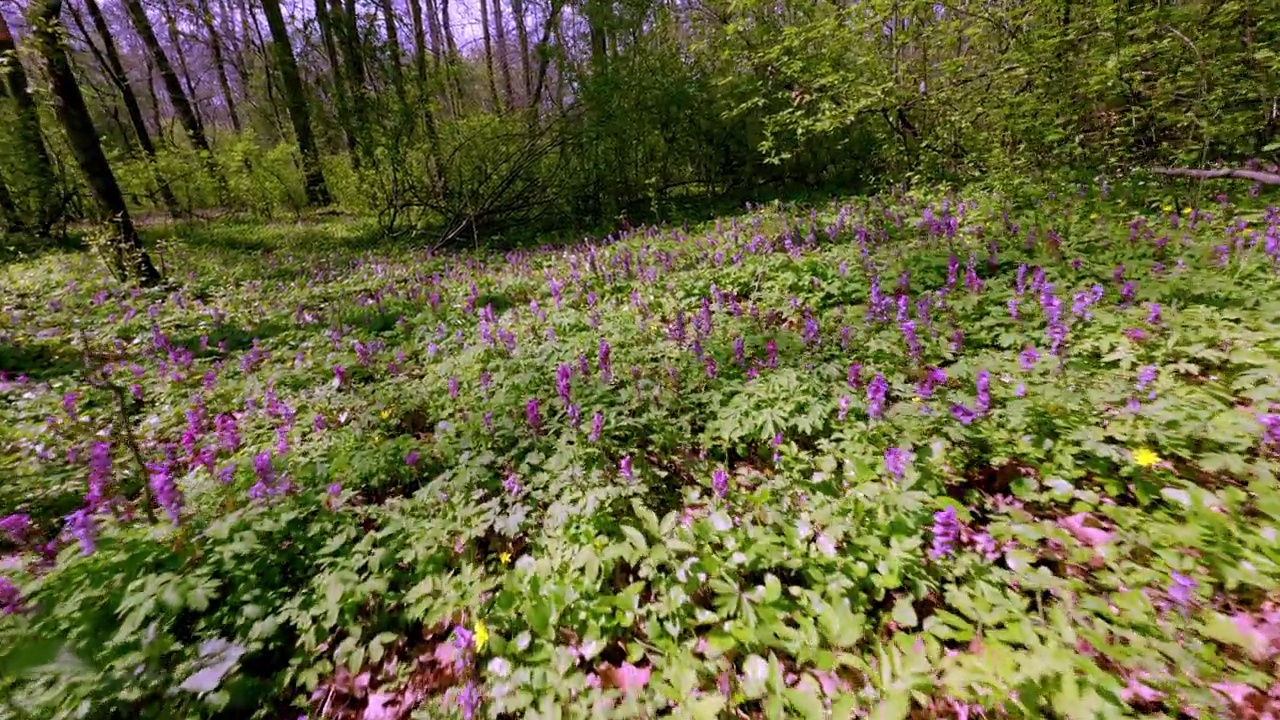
[903, 456]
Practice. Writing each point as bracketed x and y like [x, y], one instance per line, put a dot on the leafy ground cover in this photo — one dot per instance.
[897, 457]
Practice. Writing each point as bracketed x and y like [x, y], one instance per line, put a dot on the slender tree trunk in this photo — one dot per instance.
[215, 46]
[397, 55]
[175, 43]
[433, 30]
[114, 69]
[343, 20]
[173, 87]
[43, 182]
[250, 19]
[127, 256]
[340, 98]
[544, 54]
[317, 190]
[453, 83]
[488, 57]
[421, 49]
[595, 11]
[504, 53]
[522, 37]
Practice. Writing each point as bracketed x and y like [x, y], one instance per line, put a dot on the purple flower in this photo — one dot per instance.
[453, 388]
[15, 527]
[69, 401]
[533, 414]
[597, 427]
[983, 402]
[1182, 589]
[624, 467]
[843, 405]
[163, 488]
[963, 414]
[855, 376]
[1029, 357]
[99, 473]
[876, 392]
[933, 377]
[720, 482]
[412, 458]
[10, 597]
[602, 359]
[1146, 376]
[1136, 334]
[1153, 314]
[908, 328]
[469, 699]
[512, 484]
[81, 526]
[1270, 430]
[896, 460]
[339, 375]
[946, 531]
[335, 489]
[564, 374]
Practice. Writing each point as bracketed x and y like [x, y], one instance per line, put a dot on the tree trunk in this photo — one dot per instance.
[215, 46]
[522, 37]
[250, 18]
[296, 101]
[127, 256]
[175, 43]
[173, 87]
[9, 209]
[488, 57]
[343, 20]
[544, 54]
[340, 98]
[393, 45]
[453, 84]
[114, 69]
[43, 182]
[421, 48]
[504, 54]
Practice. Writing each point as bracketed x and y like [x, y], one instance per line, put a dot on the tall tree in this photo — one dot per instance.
[522, 37]
[340, 98]
[453, 83]
[393, 46]
[504, 54]
[343, 17]
[43, 184]
[220, 66]
[8, 208]
[173, 88]
[127, 257]
[296, 101]
[175, 42]
[109, 58]
[488, 56]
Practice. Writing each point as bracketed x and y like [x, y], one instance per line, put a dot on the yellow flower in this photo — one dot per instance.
[1167, 208]
[1186, 211]
[481, 635]
[1144, 457]
[504, 558]
[386, 414]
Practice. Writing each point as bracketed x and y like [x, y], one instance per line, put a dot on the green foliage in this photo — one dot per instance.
[732, 538]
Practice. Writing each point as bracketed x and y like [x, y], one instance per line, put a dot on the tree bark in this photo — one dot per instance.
[522, 37]
[421, 48]
[453, 84]
[397, 55]
[340, 98]
[544, 54]
[175, 43]
[215, 46]
[9, 209]
[43, 181]
[127, 256]
[296, 102]
[488, 57]
[342, 15]
[114, 69]
[504, 54]
[173, 88]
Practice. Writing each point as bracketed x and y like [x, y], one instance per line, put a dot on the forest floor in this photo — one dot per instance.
[884, 457]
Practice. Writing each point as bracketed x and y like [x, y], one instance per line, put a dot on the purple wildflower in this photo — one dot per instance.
[15, 527]
[946, 531]
[1146, 376]
[10, 597]
[597, 427]
[99, 473]
[602, 359]
[896, 460]
[624, 468]
[843, 405]
[855, 376]
[469, 699]
[933, 377]
[1181, 590]
[81, 526]
[1153, 314]
[533, 414]
[983, 402]
[411, 459]
[739, 350]
[908, 328]
[453, 388]
[963, 413]
[1029, 357]
[564, 375]
[163, 488]
[339, 375]
[720, 482]
[512, 484]
[876, 392]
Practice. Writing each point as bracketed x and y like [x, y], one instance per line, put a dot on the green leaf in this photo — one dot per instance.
[707, 707]
[806, 705]
[904, 613]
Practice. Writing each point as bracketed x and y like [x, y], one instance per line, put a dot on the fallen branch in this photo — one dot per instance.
[1265, 178]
